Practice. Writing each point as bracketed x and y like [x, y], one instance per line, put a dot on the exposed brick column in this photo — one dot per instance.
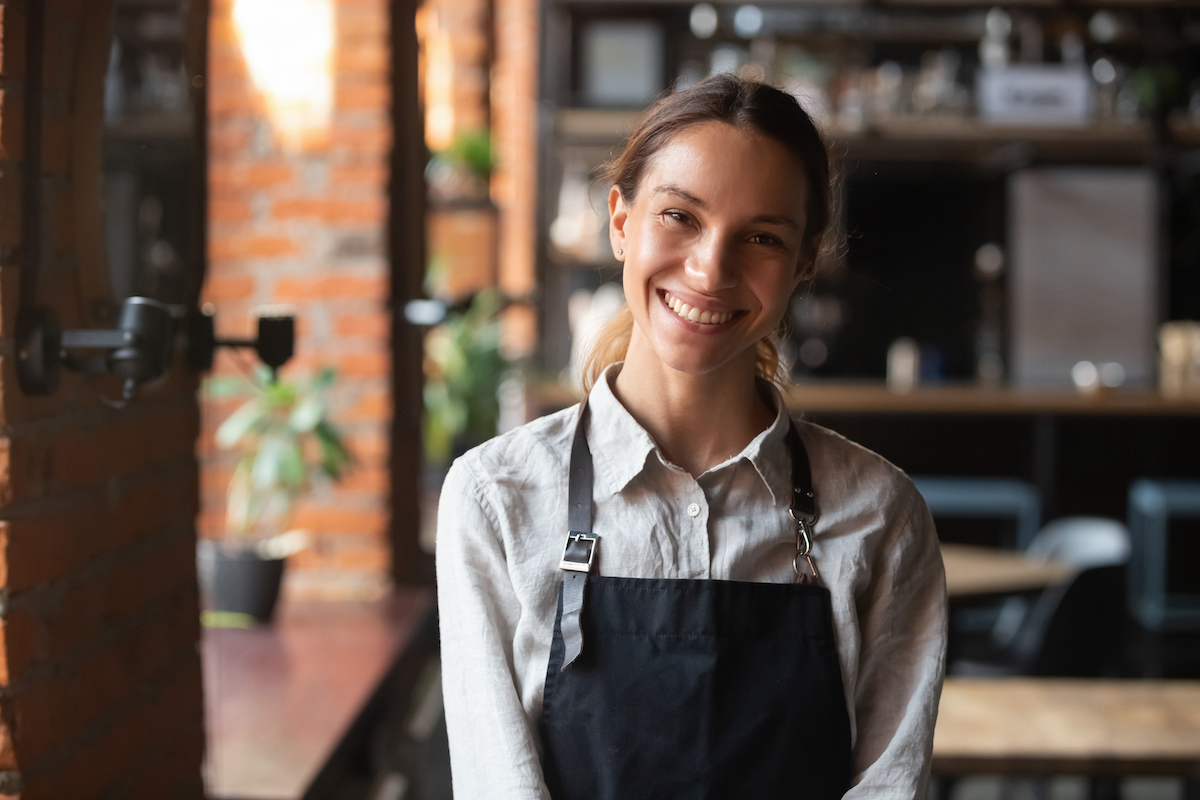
[100, 690]
[515, 110]
[308, 229]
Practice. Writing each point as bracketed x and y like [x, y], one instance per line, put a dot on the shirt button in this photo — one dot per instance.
[694, 510]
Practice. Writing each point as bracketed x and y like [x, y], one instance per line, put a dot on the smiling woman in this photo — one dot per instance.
[768, 603]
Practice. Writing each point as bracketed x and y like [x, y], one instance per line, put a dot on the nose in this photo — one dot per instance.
[712, 265]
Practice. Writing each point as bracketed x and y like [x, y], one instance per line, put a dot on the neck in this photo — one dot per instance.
[697, 421]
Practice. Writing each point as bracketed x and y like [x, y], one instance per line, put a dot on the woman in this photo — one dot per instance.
[674, 590]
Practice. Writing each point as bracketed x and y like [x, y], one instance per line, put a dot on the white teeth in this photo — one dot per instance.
[696, 315]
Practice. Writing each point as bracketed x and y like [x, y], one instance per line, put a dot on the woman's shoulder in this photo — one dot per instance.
[525, 456]
[849, 468]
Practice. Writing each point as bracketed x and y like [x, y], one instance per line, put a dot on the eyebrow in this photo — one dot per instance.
[761, 219]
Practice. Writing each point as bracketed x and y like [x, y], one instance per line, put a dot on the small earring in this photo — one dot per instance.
[620, 252]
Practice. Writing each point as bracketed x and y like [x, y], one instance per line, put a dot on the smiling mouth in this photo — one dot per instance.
[684, 311]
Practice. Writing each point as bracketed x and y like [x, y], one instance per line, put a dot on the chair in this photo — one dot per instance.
[1082, 542]
[1151, 504]
[985, 498]
[1072, 630]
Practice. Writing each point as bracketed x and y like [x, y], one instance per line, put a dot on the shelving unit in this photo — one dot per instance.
[973, 156]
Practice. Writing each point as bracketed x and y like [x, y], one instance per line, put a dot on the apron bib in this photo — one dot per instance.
[692, 689]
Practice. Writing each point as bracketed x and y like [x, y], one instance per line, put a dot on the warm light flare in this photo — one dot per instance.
[288, 46]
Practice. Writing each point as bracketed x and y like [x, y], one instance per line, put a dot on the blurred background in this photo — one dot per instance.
[381, 235]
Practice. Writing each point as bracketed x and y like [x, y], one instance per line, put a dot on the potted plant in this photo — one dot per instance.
[463, 371]
[285, 440]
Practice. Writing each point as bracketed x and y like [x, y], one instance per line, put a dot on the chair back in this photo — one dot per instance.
[1082, 541]
[1076, 630]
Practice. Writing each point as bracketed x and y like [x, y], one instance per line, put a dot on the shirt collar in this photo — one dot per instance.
[620, 446]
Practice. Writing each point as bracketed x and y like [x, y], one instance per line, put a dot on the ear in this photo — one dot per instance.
[618, 215]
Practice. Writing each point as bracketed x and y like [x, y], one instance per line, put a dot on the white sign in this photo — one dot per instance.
[1036, 94]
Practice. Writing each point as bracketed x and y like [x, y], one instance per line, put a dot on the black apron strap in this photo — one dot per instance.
[580, 551]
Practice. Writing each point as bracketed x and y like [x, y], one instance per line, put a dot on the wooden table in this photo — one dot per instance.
[1032, 726]
[981, 571]
[280, 699]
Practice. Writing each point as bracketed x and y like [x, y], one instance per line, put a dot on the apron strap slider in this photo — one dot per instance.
[579, 552]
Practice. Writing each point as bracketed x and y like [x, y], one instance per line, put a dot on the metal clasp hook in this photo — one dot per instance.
[803, 551]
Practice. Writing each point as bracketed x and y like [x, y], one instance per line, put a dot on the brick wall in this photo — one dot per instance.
[309, 229]
[515, 116]
[100, 691]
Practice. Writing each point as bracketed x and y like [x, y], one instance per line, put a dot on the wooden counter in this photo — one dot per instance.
[1068, 727]
[280, 699]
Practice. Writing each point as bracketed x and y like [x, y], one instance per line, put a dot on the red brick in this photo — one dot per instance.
[341, 520]
[368, 139]
[232, 247]
[12, 42]
[369, 60]
[250, 176]
[226, 141]
[372, 406]
[8, 755]
[373, 175]
[223, 210]
[11, 209]
[370, 480]
[227, 64]
[329, 287]
[25, 641]
[365, 365]
[12, 126]
[374, 558]
[41, 549]
[359, 97]
[326, 210]
[376, 326]
[223, 105]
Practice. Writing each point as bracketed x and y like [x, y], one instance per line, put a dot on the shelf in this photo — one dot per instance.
[876, 398]
[971, 139]
[923, 138]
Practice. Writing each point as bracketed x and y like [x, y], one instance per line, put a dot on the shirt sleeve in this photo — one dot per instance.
[902, 619]
[493, 751]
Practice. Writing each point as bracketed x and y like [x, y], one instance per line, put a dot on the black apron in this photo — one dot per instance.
[690, 689]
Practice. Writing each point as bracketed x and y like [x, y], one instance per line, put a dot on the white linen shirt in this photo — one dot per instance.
[502, 525]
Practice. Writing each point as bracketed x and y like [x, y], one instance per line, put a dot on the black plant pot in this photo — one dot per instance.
[239, 580]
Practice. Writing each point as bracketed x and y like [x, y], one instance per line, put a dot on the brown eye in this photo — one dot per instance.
[765, 239]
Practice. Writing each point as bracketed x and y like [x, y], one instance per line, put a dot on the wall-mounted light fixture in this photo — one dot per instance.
[274, 343]
[137, 351]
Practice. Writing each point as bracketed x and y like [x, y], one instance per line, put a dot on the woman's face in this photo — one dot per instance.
[712, 246]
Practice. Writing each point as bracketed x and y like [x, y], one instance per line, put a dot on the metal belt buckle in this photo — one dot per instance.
[579, 552]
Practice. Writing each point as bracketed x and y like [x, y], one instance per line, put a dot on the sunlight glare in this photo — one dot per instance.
[288, 46]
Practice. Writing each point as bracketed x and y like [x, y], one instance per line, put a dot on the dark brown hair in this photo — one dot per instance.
[745, 104]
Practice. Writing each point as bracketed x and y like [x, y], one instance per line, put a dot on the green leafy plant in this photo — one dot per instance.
[463, 370]
[285, 439]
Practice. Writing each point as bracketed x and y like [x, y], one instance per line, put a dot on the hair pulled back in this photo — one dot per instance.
[745, 104]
